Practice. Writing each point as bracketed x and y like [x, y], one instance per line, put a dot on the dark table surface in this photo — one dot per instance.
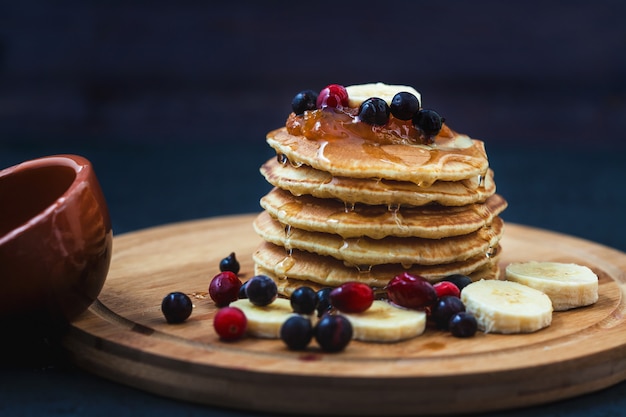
[171, 101]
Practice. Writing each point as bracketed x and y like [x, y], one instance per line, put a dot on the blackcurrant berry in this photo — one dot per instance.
[463, 324]
[404, 105]
[303, 101]
[303, 300]
[323, 301]
[374, 111]
[296, 332]
[176, 307]
[429, 121]
[242, 290]
[230, 263]
[261, 290]
[460, 280]
[333, 332]
[444, 309]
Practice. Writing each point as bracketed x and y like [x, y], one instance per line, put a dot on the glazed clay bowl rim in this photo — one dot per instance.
[56, 243]
[80, 166]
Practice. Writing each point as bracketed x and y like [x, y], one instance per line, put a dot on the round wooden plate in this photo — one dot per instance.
[124, 337]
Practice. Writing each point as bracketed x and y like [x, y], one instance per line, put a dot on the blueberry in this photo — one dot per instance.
[323, 301]
[374, 111]
[261, 290]
[444, 309]
[303, 300]
[333, 332]
[230, 263]
[296, 332]
[460, 280]
[404, 105]
[304, 100]
[429, 121]
[463, 324]
[176, 307]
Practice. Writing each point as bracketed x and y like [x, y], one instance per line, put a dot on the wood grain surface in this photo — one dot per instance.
[124, 337]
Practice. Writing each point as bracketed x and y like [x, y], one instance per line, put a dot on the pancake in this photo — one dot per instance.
[328, 271]
[458, 159]
[368, 251]
[332, 216]
[363, 195]
[303, 179]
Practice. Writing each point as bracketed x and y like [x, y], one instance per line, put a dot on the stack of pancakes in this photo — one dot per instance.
[346, 208]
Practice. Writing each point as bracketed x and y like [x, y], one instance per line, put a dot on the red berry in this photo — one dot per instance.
[352, 297]
[411, 291]
[224, 288]
[333, 95]
[230, 323]
[444, 288]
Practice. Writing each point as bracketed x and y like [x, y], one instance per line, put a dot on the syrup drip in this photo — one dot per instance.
[481, 181]
[284, 266]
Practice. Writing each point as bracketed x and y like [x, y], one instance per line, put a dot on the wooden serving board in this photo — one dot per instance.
[124, 337]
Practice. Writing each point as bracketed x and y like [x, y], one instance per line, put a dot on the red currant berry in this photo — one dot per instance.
[224, 288]
[352, 297]
[333, 95]
[444, 288]
[411, 291]
[230, 323]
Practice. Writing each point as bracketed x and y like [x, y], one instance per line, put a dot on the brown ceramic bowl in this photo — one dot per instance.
[55, 238]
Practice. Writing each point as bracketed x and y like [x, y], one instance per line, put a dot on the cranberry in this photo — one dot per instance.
[176, 307]
[224, 288]
[411, 291]
[230, 323]
[444, 288]
[352, 297]
[333, 95]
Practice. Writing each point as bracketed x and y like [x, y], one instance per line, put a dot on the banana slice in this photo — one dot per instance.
[383, 322]
[357, 94]
[568, 285]
[265, 322]
[507, 306]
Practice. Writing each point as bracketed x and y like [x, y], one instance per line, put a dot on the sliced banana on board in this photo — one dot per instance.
[265, 321]
[383, 322]
[568, 285]
[507, 306]
[357, 94]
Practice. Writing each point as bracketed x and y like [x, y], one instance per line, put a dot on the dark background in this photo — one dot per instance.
[171, 101]
[529, 72]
